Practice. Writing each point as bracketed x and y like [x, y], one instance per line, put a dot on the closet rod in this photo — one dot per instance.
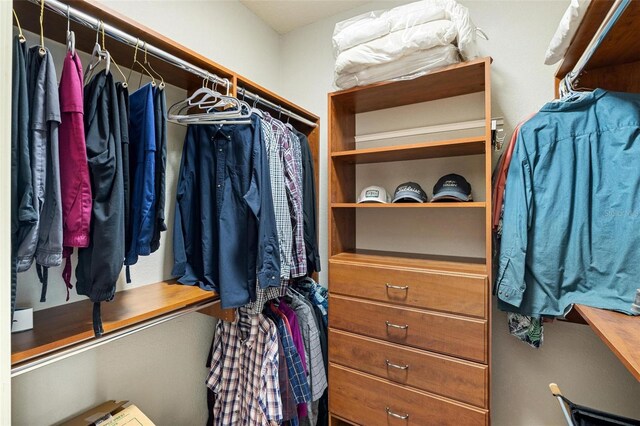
[118, 35]
[609, 21]
[259, 99]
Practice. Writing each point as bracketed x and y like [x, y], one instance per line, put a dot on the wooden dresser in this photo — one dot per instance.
[409, 333]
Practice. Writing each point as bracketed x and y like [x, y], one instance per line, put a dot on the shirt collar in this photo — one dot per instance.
[574, 102]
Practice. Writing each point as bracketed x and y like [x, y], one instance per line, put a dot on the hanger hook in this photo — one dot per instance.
[255, 101]
[102, 25]
[68, 19]
[135, 59]
[205, 81]
[279, 112]
[244, 93]
[227, 83]
[41, 50]
[21, 36]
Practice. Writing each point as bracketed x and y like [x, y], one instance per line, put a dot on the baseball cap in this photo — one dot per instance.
[452, 187]
[409, 192]
[373, 194]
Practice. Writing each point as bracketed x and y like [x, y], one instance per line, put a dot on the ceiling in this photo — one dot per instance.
[287, 15]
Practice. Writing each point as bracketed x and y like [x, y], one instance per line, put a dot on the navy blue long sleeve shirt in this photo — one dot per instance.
[225, 235]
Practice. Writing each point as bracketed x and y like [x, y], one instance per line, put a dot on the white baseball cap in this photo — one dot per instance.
[374, 194]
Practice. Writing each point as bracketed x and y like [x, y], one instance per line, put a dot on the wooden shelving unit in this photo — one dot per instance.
[417, 151]
[407, 308]
[69, 325]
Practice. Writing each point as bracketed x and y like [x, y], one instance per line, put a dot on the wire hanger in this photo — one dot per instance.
[104, 48]
[71, 36]
[98, 55]
[161, 86]
[136, 61]
[42, 50]
[21, 36]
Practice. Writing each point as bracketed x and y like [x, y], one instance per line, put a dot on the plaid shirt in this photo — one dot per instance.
[297, 375]
[317, 294]
[244, 372]
[293, 179]
[273, 136]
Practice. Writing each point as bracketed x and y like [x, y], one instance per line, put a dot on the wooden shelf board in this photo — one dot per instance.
[618, 47]
[441, 205]
[66, 325]
[469, 265]
[416, 151]
[454, 80]
[620, 332]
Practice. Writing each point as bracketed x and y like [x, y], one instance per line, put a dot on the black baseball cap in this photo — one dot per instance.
[452, 187]
[409, 192]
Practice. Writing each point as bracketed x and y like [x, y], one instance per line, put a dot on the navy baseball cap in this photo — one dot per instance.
[452, 187]
[409, 192]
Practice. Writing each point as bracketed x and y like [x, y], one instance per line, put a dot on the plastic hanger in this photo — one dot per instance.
[136, 61]
[21, 36]
[98, 55]
[71, 36]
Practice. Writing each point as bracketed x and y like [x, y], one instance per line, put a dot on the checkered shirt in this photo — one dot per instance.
[317, 294]
[244, 372]
[297, 375]
[292, 178]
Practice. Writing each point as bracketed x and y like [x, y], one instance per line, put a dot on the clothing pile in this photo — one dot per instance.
[406, 41]
[270, 368]
[245, 222]
[88, 171]
[567, 224]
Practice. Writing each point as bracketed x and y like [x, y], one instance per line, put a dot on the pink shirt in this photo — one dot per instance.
[75, 184]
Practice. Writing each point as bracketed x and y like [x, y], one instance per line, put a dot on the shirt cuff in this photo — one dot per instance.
[507, 292]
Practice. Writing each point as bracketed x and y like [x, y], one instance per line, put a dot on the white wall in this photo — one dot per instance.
[572, 355]
[162, 369]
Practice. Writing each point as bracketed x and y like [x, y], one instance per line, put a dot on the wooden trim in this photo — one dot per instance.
[415, 151]
[488, 223]
[443, 205]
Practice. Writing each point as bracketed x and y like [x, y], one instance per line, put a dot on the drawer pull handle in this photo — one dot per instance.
[401, 327]
[399, 367]
[397, 287]
[397, 416]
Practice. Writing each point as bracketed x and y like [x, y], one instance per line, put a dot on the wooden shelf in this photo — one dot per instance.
[469, 265]
[620, 332]
[443, 205]
[416, 151]
[454, 80]
[66, 325]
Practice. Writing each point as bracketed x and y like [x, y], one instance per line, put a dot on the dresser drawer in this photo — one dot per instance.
[440, 291]
[460, 380]
[448, 334]
[370, 401]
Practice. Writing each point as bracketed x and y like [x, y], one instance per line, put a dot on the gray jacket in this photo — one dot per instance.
[44, 241]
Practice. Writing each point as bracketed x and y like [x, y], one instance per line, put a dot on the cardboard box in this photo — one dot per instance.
[111, 413]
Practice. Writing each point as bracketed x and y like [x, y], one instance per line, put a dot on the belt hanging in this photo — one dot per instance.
[97, 320]
[43, 276]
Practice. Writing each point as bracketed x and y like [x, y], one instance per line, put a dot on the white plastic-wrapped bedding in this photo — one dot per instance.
[566, 30]
[407, 67]
[373, 25]
[395, 45]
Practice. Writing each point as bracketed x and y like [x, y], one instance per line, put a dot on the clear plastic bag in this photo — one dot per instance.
[408, 67]
[381, 37]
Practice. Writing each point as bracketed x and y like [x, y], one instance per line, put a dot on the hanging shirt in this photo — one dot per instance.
[309, 206]
[99, 264]
[44, 241]
[244, 373]
[74, 170]
[24, 213]
[123, 112]
[225, 234]
[160, 114]
[571, 219]
[297, 374]
[142, 147]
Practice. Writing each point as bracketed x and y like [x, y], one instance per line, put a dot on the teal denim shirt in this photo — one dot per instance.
[571, 225]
